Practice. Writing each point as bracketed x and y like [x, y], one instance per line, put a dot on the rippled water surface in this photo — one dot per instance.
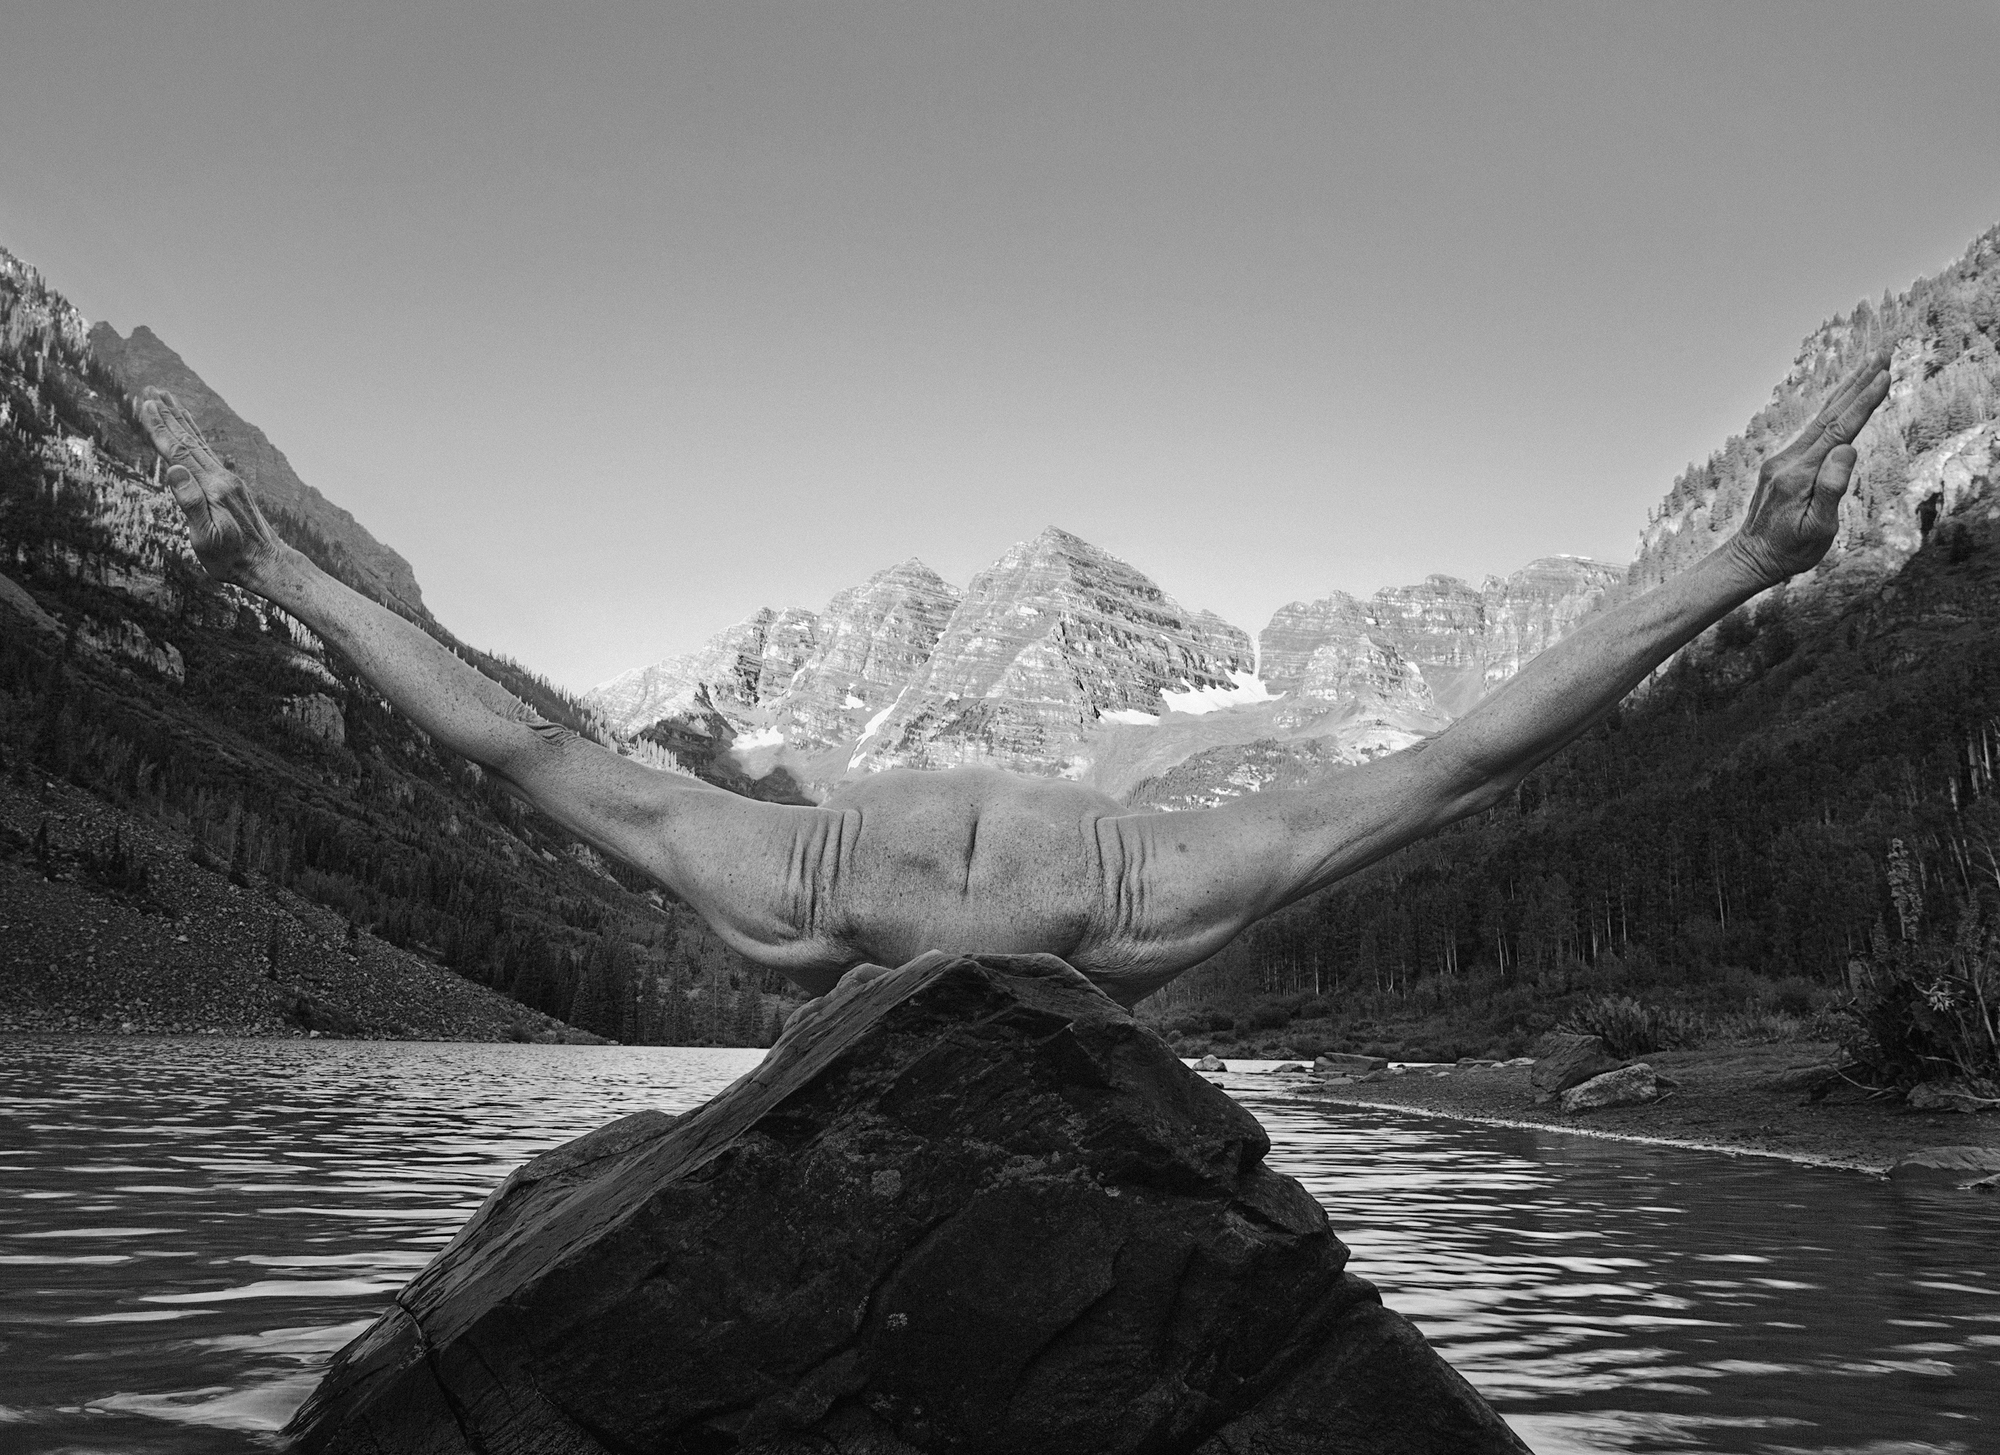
[190, 1228]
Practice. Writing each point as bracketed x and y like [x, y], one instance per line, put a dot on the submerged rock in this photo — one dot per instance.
[970, 1205]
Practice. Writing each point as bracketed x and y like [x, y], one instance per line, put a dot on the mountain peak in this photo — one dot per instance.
[145, 358]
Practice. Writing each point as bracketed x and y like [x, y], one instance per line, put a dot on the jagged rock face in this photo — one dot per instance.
[907, 672]
[1055, 661]
[318, 717]
[144, 359]
[1535, 607]
[1054, 634]
[1451, 643]
[967, 1206]
[1218, 775]
[1348, 669]
[119, 639]
[1442, 612]
[1926, 453]
[1299, 629]
[873, 638]
[738, 670]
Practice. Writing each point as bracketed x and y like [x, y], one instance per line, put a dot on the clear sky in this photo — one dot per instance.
[620, 322]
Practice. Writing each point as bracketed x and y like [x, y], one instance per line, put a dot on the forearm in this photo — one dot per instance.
[467, 712]
[1565, 689]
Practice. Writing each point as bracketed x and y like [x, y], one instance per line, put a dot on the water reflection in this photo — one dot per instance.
[189, 1228]
[1613, 1297]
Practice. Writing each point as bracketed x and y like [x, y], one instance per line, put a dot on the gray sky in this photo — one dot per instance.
[621, 322]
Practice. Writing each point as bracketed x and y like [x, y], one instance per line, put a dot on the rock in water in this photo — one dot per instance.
[970, 1205]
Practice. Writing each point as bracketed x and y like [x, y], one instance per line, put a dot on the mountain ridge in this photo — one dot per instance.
[1063, 659]
[144, 358]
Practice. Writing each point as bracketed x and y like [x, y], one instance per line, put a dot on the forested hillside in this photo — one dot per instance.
[1797, 815]
[127, 672]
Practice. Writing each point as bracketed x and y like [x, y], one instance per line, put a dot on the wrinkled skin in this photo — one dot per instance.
[974, 860]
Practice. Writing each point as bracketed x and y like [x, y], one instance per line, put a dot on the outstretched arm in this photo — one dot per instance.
[737, 861]
[1213, 873]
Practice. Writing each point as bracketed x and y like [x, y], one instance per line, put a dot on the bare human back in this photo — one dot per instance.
[975, 860]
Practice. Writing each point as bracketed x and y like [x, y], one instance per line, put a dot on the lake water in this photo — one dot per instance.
[190, 1227]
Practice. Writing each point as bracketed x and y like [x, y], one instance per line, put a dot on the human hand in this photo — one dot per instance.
[1795, 511]
[230, 535]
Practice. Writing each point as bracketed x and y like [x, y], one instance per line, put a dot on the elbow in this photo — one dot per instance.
[519, 753]
[1469, 783]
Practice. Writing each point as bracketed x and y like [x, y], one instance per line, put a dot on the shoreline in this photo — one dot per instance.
[1571, 1128]
[1734, 1100]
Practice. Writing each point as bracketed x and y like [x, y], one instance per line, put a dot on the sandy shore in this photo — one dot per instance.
[1733, 1099]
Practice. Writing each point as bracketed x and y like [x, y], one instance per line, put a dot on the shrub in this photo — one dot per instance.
[1631, 1029]
[1758, 1026]
[1266, 1017]
[1926, 1009]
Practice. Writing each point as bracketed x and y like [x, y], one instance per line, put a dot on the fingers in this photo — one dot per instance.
[1841, 418]
[175, 434]
[1831, 483]
[187, 492]
[1858, 380]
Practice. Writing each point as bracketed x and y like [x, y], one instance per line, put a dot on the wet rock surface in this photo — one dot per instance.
[969, 1205]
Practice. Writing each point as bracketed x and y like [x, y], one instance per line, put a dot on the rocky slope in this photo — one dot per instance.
[1792, 818]
[144, 359]
[1051, 638]
[1059, 659]
[1438, 646]
[109, 926]
[189, 710]
[1355, 679]
[1062, 659]
[1920, 454]
[817, 676]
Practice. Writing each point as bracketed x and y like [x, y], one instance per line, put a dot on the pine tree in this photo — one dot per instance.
[747, 1025]
[238, 857]
[593, 1008]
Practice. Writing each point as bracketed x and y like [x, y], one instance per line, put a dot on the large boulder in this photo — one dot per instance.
[1570, 1060]
[1946, 1166]
[967, 1206]
[1631, 1085]
[1341, 1063]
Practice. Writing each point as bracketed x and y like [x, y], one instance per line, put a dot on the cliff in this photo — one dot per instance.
[1051, 638]
[1929, 441]
[195, 714]
[1441, 644]
[144, 359]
